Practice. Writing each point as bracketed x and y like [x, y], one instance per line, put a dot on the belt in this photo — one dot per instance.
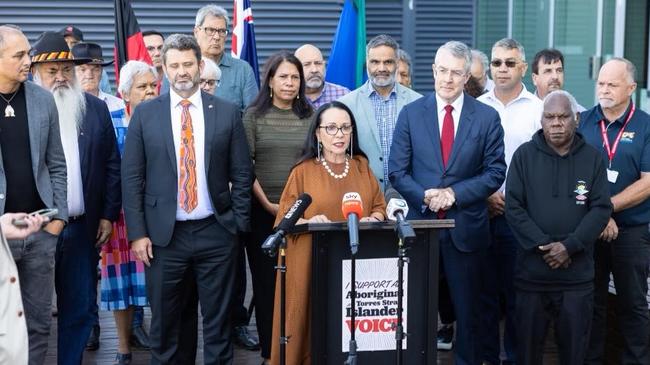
[76, 218]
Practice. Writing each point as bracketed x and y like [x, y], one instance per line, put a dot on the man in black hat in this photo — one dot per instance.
[93, 190]
[32, 177]
[73, 36]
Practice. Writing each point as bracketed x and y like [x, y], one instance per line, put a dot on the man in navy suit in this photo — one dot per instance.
[187, 179]
[93, 191]
[446, 159]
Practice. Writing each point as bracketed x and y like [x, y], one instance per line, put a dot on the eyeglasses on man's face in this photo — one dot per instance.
[509, 63]
[332, 129]
[212, 31]
[210, 82]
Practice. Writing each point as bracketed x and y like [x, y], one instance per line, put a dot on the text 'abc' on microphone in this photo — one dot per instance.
[396, 210]
[288, 221]
[352, 210]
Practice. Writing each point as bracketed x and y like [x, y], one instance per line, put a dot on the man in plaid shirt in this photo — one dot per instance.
[318, 90]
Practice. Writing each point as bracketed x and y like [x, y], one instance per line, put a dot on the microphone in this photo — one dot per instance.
[353, 209]
[396, 210]
[295, 212]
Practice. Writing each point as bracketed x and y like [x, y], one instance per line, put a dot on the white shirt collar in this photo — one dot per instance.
[457, 104]
[195, 98]
[524, 94]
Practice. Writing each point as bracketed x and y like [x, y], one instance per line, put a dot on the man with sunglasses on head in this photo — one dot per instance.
[520, 113]
[238, 83]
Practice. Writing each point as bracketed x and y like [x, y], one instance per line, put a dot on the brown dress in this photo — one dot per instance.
[327, 194]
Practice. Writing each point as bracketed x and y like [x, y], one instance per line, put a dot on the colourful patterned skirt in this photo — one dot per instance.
[123, 282]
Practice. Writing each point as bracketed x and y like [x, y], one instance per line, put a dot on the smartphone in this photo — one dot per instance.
[43, 212]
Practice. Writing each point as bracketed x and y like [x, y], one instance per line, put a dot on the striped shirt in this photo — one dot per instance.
[330, 92]
[386, 117]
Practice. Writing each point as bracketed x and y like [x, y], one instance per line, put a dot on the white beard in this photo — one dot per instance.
[71, 105]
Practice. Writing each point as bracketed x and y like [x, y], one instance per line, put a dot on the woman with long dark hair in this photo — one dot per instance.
[276, 123]
[331, 165]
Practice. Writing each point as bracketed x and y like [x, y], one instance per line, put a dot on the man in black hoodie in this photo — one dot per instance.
[557, 203]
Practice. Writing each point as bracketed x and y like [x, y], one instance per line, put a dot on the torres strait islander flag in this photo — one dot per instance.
[243, 35]
[129, 44]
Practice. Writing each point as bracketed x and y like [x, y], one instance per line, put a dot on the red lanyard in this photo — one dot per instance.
[611, 151]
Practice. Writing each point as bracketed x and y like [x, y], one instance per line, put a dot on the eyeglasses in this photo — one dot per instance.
[332, 130]
[211, 31]
[509, 63]
[443, 72]
[210, 82]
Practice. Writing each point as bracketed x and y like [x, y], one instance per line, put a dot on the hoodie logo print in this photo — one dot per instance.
[581, 192]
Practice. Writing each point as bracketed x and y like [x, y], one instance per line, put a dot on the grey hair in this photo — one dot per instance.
[129, 71]
[509, 43]
[5, 29]
[629, 67]
[181, 42]
[566, 94]
[210, 66]
[211, 9]
[403, 56]
[476, 54]
[458, 50]
[382, 40]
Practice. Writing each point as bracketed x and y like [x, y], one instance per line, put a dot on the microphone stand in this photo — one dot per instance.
[282, 270]
[399, 329]
[352, 347]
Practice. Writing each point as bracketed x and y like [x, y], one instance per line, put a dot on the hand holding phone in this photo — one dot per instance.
[45, 213]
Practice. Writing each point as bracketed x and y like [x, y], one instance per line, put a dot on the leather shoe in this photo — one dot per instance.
[139, 338]
[242, 338]
[93, 339]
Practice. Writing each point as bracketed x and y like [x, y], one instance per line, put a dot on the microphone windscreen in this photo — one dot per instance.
[391, 193]
[295, 212]
[352, 204]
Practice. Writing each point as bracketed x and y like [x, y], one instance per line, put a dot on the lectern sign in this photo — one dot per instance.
[376, 304]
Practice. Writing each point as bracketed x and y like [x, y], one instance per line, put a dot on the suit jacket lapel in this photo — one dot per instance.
[166, 128]
[35, 117]
[462, 133]
[209, 124]
[431, 123]
[369, 114]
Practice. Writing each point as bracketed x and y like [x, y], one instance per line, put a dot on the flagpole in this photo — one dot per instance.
[120, 41]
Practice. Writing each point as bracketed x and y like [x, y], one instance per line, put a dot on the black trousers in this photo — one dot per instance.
[262, 275]
[567, 310]
[627, 259]
[209, 250]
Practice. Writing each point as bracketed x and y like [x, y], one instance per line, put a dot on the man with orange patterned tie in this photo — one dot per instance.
[182, 151]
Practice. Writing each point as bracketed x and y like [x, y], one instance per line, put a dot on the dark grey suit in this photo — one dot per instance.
[34, 256]
[208, 246]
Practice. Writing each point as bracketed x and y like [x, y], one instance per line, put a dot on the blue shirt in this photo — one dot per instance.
[632, 155]
[386, 117]
[237, 83]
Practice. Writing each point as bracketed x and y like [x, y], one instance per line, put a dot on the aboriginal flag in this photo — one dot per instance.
[129, 44]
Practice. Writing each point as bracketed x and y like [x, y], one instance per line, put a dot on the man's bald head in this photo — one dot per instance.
[14, 57]
[6, 32]
[615, 84]
[313, 65]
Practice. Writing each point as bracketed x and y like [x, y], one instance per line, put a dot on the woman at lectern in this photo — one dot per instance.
[331, 165]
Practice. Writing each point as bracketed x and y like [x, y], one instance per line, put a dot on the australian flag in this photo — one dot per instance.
[243, 35]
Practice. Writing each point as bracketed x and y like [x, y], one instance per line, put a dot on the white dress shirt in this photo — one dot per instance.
[204, 208]
[520, 119]
[455, 113]
[70, 142]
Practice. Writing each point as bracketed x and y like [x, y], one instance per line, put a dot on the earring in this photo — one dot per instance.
[270, 88]
[320, 147]
[298, 97]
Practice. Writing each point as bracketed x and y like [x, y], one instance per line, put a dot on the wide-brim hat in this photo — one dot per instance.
[89, 51]
[51, 47]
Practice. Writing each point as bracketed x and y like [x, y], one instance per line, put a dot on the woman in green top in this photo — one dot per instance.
[276, 123]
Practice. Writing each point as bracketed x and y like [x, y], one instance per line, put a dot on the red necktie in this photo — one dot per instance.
[187, 181]
[446, 142]
[447, 135]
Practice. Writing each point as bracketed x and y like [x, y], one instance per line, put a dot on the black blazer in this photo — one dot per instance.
[99, 158]
[149, 172]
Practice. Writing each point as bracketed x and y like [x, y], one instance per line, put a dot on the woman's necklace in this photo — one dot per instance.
[9, 110]
[337, 176]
